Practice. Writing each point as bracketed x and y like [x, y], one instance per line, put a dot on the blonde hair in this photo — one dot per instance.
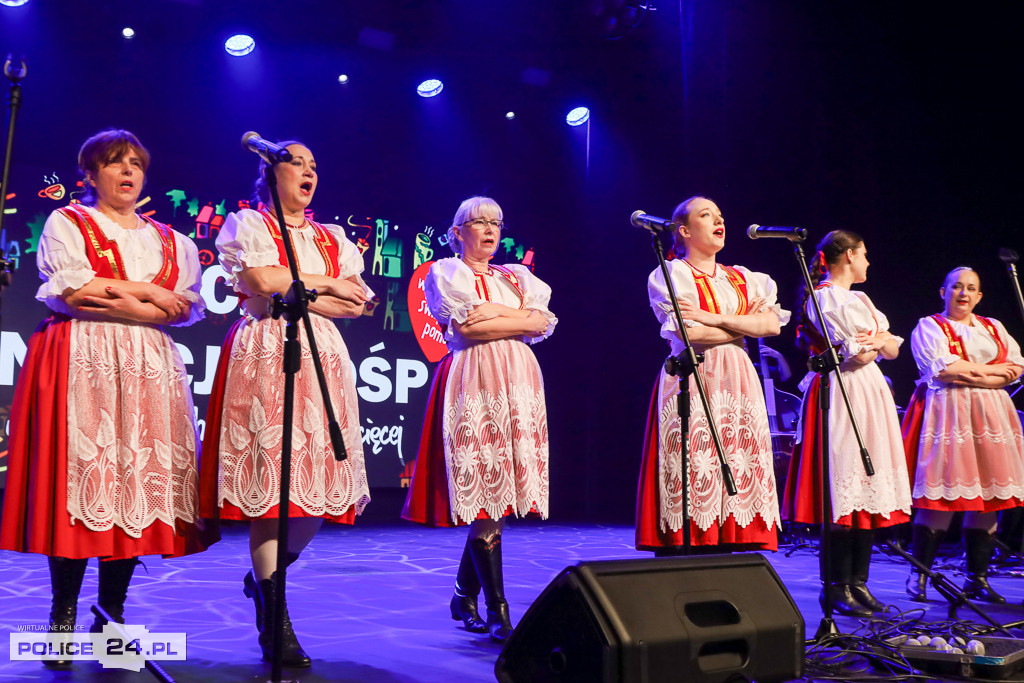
[469, 209]
[682, 215]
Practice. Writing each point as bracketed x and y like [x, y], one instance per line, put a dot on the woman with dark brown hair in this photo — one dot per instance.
[103, 435]
[245, 417]
[860, 503]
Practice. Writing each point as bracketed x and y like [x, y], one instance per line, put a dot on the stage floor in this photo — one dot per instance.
[370, 602]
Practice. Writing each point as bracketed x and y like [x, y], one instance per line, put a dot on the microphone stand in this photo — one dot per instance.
[826, 363]
[14, 73]
[1010, 258]
[684, 366]
[293, 306]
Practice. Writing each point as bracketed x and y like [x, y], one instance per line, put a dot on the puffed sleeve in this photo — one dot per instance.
[761, 286]
[536, 297]
[880, 320]
[846, 317]
[62, 262]
[350, 261]
[451, 292]
[930, 347]
[657, 294]
[245, 242]
[189, 279]
[1013, 354]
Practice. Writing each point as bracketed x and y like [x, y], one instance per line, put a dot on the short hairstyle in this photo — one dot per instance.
[103, 148]
[468, 209]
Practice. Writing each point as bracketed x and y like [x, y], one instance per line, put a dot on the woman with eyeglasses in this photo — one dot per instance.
[484, 449]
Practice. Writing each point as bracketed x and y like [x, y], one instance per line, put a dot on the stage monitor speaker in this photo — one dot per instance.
[705, 619]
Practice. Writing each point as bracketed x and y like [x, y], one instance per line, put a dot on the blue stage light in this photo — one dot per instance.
[128, 32]
[510, 115]
[430, 88]
[13, 3]
[343, 78]
[239, 45]
[578, 116]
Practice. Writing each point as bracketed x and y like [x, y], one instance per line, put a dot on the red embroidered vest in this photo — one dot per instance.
[956, 343]
[104, 256]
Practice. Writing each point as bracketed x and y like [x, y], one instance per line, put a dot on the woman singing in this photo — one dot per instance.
[245, 419]
[484, 450]
[962, 431]
[860, 503]
[103, 437]
[720, 306]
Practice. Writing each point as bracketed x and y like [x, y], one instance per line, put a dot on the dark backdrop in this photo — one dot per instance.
[896, 120]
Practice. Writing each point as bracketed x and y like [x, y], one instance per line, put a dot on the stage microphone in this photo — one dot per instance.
[268, 151]
[1008, 256]
[652, 223]
[792, 234]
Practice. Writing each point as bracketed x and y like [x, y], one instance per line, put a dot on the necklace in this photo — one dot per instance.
[712, 274]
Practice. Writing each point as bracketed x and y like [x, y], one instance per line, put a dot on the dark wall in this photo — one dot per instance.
[891, 119]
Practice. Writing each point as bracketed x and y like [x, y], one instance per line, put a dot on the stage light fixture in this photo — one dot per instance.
[128, 32]
[343, 78]
[13, 3]
[510, 115]
[578, 116]
[430, 88]
[239, 45]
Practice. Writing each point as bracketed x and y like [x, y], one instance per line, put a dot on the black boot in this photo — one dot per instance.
[924, 545]
[487, 559]
[115, 575]
[250, 590]
[979, 552]
[65, 584]
[837, 576]
[860, 564]
[467, 588]
[292, 653]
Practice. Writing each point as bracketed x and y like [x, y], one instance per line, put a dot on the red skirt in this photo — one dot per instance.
[35, 517]
[649, 532]
[801, 501]
[209, 505]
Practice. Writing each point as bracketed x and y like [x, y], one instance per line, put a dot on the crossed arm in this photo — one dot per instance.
[719, 328]
[966, 373]
[124, 300]
[337, 298]
[490, 321]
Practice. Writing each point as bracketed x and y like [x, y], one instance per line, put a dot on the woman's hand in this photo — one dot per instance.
[538, 324]
[124, 306]
[485, 311]
[754, 306]
[697, 314]
[349, 291]
[871, 342]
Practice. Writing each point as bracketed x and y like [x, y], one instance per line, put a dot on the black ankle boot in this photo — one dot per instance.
[860, 565]
[837, 576]
[979, 552]
[467, 588]
[292, 653]
[115, 575]
[65, 584]
[487, 559]
[924, 544]
[250, 590]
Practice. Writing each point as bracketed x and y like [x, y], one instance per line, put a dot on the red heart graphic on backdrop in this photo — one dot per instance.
[427, 330]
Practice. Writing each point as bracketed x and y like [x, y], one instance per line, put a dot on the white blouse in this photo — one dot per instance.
[759, 285]
[451, 291]
[848, 313]
[245, 242]
[931, 347]
[64, 266]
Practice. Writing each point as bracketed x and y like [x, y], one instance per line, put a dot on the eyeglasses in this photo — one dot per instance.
[483, 223]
